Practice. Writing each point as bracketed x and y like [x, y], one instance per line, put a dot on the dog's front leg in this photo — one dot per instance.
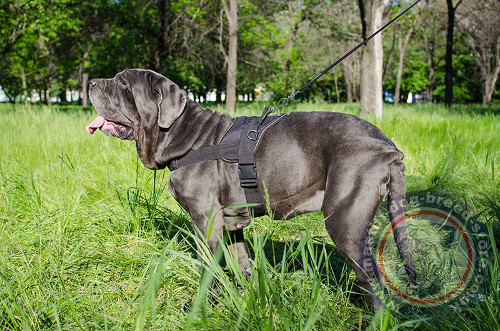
[209, 230]
[238, 250]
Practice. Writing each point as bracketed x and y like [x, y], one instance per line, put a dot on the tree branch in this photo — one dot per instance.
[221, 27]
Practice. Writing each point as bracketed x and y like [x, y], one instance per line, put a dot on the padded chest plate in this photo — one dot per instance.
[234, 133]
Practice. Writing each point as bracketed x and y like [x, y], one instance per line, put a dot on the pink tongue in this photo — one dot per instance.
[96, 124]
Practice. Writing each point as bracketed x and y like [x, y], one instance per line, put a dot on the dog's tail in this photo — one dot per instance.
[396, 211]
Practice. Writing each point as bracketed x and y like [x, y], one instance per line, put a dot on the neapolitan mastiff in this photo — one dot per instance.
[336, 163]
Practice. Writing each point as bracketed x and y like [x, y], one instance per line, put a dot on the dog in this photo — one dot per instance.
[309, 161]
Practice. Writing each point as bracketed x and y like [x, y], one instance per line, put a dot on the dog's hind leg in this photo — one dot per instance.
[348, 218]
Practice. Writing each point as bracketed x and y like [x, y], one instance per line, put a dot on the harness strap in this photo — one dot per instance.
[246, 165]
[212, 152]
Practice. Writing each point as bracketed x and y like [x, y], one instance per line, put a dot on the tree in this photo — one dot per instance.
[231, 12]
[372, 59]
[480, 25]
[298, 15]
[351, 70]
[49, 47]
[448, 99]
[405, 31]
[431, 31]
[345, 32]
[257, 32]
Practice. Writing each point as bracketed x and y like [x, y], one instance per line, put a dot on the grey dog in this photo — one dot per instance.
[337, 163]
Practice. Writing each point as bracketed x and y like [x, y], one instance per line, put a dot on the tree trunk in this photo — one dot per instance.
[356, 92]
[350, 67]
[12, 99]
[62, 96]
[490, 77]
[232, 19]
[25, 88]
[431, 77]
[479, 22]
[488, 62]
[165, 20]
[85, 78]
[373, 56]
[402, 45]
[291, 43]
[336, 80]
[291, 46]
[397, 93]
[47, 92]
[348, 82]
[347, 68]
[389, 55]
[448, 79]
[431, 83]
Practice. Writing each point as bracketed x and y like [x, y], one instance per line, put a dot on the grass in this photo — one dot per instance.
[91, 240]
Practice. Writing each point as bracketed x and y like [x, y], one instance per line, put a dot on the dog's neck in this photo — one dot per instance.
[196, 127]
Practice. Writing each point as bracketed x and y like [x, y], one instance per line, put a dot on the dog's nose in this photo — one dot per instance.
[93, 83]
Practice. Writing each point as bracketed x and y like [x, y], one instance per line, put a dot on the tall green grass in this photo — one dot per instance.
[90, 239]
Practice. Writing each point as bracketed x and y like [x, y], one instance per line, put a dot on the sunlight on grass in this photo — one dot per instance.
[93, 240]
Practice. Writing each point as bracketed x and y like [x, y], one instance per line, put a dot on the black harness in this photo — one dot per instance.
[238, 145]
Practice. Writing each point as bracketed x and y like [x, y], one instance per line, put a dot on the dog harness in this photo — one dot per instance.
[238, 144]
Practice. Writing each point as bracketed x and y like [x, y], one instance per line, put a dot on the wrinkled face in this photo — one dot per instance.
[113, 100]
[134, 105]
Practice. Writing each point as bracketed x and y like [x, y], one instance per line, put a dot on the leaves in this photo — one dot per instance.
[46, 45]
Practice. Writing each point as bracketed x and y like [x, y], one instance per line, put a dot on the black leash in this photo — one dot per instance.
[283, 102]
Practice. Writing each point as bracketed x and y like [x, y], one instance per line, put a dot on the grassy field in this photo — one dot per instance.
[91, 240]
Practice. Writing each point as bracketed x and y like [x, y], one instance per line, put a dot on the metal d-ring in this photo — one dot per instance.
[251, 133]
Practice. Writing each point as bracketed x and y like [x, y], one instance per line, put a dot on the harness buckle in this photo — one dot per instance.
[248, 175]
[248, 183]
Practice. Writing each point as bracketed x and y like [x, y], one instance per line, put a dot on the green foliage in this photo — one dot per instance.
[47, 45]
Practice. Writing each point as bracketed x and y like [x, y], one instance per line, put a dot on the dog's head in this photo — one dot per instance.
[135, 105]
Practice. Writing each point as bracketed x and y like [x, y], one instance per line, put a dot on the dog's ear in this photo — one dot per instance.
[172, 102]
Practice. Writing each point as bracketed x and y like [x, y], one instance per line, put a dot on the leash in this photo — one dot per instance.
[283, 102]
